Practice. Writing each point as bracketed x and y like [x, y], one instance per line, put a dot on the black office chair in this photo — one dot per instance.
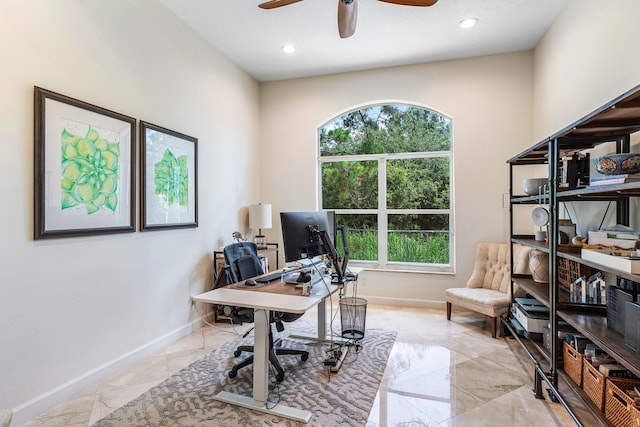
[243, 263]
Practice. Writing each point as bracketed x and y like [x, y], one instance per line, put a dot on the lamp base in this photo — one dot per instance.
[260, 241]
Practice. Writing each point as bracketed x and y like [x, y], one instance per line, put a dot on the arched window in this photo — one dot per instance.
[386, 170]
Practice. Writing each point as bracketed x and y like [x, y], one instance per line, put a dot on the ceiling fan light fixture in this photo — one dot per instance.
[468, 22]
[288, 48]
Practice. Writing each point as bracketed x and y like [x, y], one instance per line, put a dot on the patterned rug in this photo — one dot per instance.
[335, 399]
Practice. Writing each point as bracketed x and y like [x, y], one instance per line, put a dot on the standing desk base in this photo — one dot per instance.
[248, 402]
[314, 337]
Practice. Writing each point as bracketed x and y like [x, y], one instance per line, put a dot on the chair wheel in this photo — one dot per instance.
[233, 373]
[280, 377]
[304, 357]
[237, 353]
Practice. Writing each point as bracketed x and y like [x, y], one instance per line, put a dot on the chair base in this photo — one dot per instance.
[494, 321]
[274, 351]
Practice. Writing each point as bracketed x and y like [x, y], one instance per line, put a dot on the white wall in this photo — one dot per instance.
[73, 310]
[490, 101]
[590, 55]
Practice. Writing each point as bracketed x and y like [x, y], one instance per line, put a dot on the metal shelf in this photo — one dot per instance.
[613, 122]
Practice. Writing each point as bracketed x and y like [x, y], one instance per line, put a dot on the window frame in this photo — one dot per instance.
[382, 211]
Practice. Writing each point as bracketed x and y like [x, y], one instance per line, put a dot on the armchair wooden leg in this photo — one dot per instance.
[494, 324]
[448, 311]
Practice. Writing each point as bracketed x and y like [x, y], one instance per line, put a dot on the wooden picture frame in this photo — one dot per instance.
[169, 183]
[84, 168]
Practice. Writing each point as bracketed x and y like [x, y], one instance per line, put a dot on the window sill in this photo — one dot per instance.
[372, 266]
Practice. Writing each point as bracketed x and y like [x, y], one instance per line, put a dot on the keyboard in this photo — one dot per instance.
[269, 277]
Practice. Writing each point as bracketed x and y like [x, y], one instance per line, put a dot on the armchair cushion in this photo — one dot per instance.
[485, 301]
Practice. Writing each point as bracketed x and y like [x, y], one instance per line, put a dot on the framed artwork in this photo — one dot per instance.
[84, 168]
[169, 179]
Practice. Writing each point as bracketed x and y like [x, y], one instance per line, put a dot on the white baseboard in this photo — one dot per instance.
[404, 302]
[40, 404]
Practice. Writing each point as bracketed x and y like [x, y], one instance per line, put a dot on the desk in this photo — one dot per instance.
[275, 296]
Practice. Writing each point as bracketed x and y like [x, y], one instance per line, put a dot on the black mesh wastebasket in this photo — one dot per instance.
[353, 313]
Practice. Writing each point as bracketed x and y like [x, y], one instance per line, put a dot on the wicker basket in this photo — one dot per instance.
[635, 416]
[573, 364]
[593, 383]
[618, 404]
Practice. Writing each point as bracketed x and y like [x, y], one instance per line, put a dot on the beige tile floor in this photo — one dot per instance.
[439, 373]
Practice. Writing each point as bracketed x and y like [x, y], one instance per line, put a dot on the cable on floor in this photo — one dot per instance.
[213, 325]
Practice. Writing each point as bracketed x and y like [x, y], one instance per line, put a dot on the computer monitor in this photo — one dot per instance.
[300, 234]
[307, 235]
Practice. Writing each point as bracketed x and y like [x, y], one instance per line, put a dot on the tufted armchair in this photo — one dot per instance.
[488, 290]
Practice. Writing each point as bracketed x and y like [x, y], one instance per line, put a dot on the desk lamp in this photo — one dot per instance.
[259, 218]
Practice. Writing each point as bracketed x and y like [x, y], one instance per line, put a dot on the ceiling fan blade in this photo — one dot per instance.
[347, 17]
[276, 3]
[412, 2]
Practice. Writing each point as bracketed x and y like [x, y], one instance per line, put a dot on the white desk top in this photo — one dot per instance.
[263, 299]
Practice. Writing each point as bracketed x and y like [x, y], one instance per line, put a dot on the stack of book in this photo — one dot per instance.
[613, 179]
[624, 239]
[615, 370]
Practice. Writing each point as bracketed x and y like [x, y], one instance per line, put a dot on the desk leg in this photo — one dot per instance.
[322, 320]
[261, 376]
[321, 334]
[261, 357]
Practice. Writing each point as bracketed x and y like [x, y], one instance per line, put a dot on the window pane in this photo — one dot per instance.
[350, 185]
[419, 238]
[362, 234]
[411, 146]
[418, 183]
[386, 129]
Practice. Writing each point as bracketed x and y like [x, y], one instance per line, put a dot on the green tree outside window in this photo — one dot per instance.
[388, 167]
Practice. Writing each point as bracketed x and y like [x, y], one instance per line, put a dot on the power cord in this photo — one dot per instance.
[334, 357]
[213, 325]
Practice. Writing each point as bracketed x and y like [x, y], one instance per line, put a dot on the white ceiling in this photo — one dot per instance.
[386, 34]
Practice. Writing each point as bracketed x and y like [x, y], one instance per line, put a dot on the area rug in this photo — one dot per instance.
[335, 399]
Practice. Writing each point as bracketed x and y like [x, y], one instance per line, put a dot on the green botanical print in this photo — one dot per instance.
[172, 179]
[90, 169]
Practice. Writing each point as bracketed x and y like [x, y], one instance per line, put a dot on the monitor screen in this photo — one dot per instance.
[300, 234]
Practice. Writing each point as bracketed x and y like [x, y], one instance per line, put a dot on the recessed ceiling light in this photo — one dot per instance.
[288, 48]
[468, 22]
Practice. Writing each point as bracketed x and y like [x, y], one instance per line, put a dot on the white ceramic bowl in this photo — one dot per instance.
[534, 186]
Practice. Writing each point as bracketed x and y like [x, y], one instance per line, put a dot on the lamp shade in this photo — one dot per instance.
[260, 216]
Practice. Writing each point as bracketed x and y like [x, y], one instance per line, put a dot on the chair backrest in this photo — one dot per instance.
[243, 263]
[492, 269]
[243, 260]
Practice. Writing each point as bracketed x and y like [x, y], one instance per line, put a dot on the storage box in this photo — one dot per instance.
[573, 363]
[593, 383]
[613, 259]
[617, 403]
[531, 314]
[616, 306]
[632, 325]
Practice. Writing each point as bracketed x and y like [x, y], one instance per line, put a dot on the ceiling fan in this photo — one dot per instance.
[348, 11]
